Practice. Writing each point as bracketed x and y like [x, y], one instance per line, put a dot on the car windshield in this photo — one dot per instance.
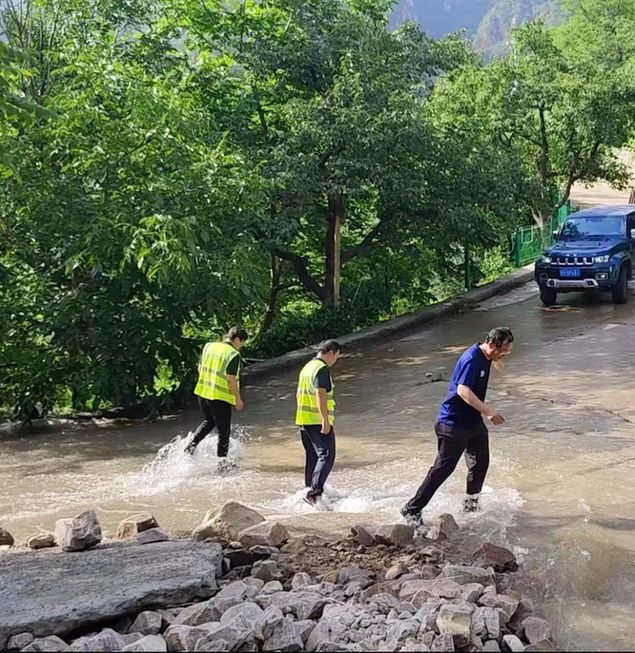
[589, 228]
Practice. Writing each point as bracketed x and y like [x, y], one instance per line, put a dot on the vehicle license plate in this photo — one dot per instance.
[570, 272]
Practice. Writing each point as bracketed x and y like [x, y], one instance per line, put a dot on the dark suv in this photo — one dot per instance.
[592, 251]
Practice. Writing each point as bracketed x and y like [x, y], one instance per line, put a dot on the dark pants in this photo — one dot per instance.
[217, 414]
[320, 456]
[452, 443]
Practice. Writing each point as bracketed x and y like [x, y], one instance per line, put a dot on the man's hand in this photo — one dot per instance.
[495, 417]
[240, 404]
[326, 427]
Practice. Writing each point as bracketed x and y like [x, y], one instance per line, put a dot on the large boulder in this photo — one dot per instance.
[79, 533]
[6, 539]
[395, 534]
[497, 557]
[51, 644]
[131, 526]
[264, 534]
[18, 642]
[231, 520]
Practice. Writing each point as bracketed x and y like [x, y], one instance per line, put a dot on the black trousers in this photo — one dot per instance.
[320, 456]
[452, 443]
[217, 414]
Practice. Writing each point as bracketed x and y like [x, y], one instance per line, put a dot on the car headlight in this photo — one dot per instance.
[601, 259]
[545, 258]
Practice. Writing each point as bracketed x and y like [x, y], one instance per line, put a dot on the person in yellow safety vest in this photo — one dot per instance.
[218, 390]
[315, 416]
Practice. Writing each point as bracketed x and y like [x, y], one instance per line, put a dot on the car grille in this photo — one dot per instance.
[572, 260]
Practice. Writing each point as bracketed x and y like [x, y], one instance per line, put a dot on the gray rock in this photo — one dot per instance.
[50, 644]
[500, 559]
[427, 616]
[267, 570]
[401, 630]
[398, 569]
[536, 629]
[233, 634]
[255, 582]
[513, 644]
[247, 611]
[40, 541]
[79, 533]
[471, 592]
[300, 581]
[456, 620]
[152, 536]
[267, 622]
[213, 645]
[362, 535]
[464, 574]
[427, 638]
[354, 574]
[150, 643]
[284, 639]
[303, 604]
[491, 646]
[444, 642]
[395, 534]
[505, 604]
[304, 629]
[147, 623]
[271, 587]
[543, 645]
[486, 622]
[131, 638]
[228, 522]
[131, 526]
[18, 642]
[442, 527]
[342, 614]
[326, 630]
[107, 640]
[6, 539]
[197, 614]
[179, 637]
[262, 552]
[233, 594]
[264, 534]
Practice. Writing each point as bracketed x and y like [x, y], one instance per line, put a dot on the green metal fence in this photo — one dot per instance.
[529, 242]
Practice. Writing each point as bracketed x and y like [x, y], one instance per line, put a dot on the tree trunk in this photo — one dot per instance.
[275, 273]
[333, 248]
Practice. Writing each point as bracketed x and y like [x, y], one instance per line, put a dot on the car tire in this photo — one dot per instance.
[620, 289]
[548, 296]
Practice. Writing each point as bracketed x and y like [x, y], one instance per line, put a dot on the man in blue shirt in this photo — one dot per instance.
[460, 427]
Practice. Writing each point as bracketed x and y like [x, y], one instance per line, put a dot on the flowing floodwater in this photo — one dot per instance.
[560, 491]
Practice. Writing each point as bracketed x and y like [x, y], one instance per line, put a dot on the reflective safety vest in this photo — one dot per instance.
[212, 379]
[307, 412]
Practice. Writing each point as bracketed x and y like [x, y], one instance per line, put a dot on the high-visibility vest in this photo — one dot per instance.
[307, 412]
[212, 379]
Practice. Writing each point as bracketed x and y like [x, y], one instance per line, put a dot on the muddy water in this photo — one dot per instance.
[560, 490]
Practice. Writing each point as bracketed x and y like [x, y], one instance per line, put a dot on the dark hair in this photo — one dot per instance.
[329, 347]
[236, 332]
[500, 336]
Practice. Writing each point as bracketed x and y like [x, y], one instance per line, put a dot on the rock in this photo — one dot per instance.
[262, 552]
[486, 622]
[454, 619]
[240, 557]
[513, 644]
[6, 539]
[131, 526]
[500, 559]
[40, 541]
[354, 574]
[427, 639]
[17, 642]
[272, 587]
[266, 624]
[326, 630]
[398, 569]
[264, 534]
[101, 584]
[49, 644]
[148, 643]
[152, 535]
[105, 640]
[254, 582]
[147, 623]
[197, 614]
[440, 588]
[395, 534]
[362, 535]
[79, 533]
[491, 646]
[226, 636]
[543, 645]
[464, 574]
[228, 522]
[267, 570]
[244, 617]
[400, 631]
[506, 605]
[294, 546]
[442, 528]
[536, 629]
[183, 638]
[304, 628]
[444, 642]
[471, 592]
[303, 604]
[131, 638]
[427, 616]
[284, 639]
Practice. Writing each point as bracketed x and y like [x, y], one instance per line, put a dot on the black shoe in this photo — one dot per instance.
[310, 499]
[412, 518]
[470, 504]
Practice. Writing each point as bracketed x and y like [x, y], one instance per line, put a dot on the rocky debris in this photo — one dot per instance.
[106, 640]
[6, 539]
[18, 642]
[395, 534]
[500, 559]
[150, 643]
[50, 644]
[362, 535]
[79, 533]
[231, 520]
[40, 541]
[147, 623]
[131, 526]
[442, 528]
[264, 534]
[152, 535]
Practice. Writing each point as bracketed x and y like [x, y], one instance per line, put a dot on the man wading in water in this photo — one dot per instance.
[218, 390]
[460, 427]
